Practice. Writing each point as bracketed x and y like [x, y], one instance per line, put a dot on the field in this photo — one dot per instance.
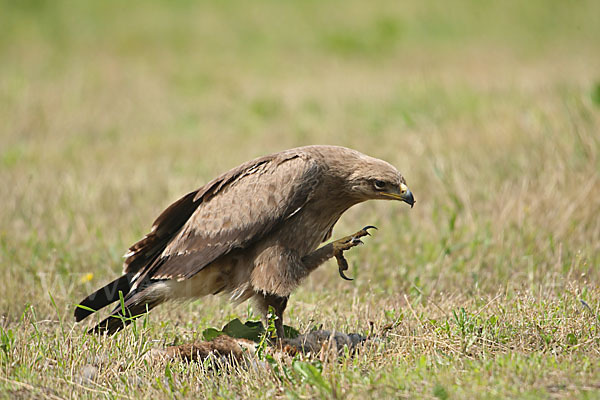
[488, 286]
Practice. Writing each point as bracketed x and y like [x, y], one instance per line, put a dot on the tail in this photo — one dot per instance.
[135, 303]
[134, 306]
[103, 297]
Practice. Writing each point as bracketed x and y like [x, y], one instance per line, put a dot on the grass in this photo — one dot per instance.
[110, 112]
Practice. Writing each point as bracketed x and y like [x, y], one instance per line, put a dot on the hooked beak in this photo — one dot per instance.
[405, 195]
[408, 198]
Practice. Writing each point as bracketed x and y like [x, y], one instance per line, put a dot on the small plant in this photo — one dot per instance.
[7, 341]
[269, 334]
[311, 372]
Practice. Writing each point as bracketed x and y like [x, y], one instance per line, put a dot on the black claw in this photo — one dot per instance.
[343, 266]
[344, 276]
[366, 228]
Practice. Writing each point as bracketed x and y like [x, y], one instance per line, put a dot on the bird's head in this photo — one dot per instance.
[374, 179]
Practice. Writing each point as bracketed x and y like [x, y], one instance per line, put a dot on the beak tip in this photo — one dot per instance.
[409, 198]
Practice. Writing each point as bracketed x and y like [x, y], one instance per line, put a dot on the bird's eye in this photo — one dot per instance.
[379, 185]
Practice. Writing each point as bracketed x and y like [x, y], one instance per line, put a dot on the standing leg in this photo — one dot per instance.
[278, 303]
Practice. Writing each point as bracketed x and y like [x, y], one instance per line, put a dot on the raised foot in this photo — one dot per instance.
[346, 243]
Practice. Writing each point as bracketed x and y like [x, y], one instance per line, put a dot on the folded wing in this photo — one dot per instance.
[231, 212]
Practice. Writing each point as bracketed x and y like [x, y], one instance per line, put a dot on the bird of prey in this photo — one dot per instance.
[252, 233]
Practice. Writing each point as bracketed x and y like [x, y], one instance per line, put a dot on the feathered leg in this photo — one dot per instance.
[335, 249]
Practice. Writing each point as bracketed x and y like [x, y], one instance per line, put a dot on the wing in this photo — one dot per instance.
[231, 212]
[144, 252]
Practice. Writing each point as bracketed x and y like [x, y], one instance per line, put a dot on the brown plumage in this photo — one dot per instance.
[253, 232]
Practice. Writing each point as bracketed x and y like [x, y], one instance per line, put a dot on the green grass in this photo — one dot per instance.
[111, 111]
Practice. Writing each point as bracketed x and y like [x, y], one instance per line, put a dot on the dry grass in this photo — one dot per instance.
[110, 112]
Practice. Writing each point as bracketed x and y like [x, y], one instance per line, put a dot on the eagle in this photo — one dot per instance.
[251, 233]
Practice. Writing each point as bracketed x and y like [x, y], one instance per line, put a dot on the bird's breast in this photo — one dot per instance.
[305, 231]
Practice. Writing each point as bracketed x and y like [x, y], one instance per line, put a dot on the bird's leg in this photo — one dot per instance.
[335, 249]
[279, 304]
[346, 243]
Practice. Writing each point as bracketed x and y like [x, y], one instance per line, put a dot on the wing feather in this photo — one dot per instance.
[230, 212]
[145, 251]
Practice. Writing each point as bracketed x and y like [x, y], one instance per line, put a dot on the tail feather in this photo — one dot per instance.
[133, 307]
[103, 297]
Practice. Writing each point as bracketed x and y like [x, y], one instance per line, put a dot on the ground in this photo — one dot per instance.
[487, 288]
